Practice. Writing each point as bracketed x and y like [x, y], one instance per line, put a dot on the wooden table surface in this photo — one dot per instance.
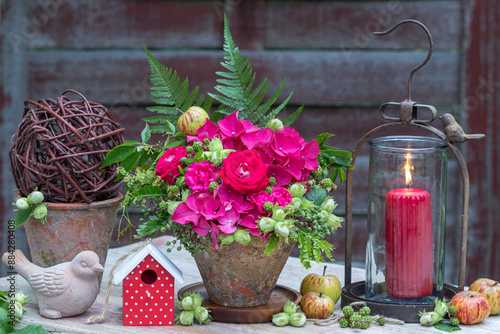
[292, 275]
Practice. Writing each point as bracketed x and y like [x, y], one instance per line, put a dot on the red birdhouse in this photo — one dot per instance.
[148, 287]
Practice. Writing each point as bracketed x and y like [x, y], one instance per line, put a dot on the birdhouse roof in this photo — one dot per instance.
[134, 259]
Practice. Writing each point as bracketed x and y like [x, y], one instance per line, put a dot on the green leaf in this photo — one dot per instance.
[444, 326]
[5, 322]
[316, 195]
[118, 154]
[271, 244]
[146, 134]
[129, 163]
[22, 216]
[321, 139]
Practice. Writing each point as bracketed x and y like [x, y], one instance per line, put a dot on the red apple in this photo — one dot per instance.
[327, 284]
[190, 121]
[472, 307]
[491, 290]
[317, 305]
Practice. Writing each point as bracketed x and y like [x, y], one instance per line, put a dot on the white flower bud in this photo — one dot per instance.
[290, 307]
[226, 240]
[242, 237]
[328, 205]
[267, 224]
[333, 221]
[201, 314]
[297, 190]
[215, 145]
[281, 230]
[187, 303]
[296, 203]
[186, 318]
[22, 203]
[429, 318]
[275, 124]
[298, 319]
[40, 212]
[281, 319]
[35, 197]
[279, 214]
[440, 307]
[323, 215]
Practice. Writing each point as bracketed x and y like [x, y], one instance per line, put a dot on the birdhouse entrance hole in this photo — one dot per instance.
[149, 276]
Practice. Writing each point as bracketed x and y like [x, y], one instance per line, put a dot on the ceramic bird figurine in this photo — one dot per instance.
[454, 131]
[63, 290]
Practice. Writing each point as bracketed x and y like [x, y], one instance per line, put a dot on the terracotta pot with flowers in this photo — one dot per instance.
[66, 202]
[238, 190]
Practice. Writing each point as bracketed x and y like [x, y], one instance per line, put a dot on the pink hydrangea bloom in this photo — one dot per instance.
[199, 175]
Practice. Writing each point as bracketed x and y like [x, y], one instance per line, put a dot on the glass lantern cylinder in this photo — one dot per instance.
[406, 219]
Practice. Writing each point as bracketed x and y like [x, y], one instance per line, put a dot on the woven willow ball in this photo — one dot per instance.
[59, 148]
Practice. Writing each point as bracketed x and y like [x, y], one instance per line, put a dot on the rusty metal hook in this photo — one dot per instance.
[429, 54]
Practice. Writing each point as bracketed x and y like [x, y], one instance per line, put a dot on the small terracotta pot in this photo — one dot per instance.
[70, 229]
[242, 276]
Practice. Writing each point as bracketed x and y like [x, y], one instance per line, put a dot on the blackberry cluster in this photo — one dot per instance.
[312, 222]
[360, 319]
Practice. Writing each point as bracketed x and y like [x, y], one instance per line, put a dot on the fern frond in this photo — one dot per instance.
[170, 94]
[235, 88]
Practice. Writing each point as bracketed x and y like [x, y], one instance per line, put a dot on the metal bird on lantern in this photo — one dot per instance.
[64, 290]
[454, 132]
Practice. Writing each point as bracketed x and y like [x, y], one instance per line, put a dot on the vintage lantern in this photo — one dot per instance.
[406, 211]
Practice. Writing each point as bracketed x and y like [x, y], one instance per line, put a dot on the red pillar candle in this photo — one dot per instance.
[409, 259]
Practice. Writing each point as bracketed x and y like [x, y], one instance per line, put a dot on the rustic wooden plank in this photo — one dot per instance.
[350, 24]
[317, 78]
[480, 105]
[291, 276]
[124, 24]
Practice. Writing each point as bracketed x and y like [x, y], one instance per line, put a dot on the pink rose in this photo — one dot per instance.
[199, 175]
[168, 164]
[280, 196]
[244, 171]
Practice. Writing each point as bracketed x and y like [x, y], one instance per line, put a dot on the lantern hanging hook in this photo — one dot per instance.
[429, 54]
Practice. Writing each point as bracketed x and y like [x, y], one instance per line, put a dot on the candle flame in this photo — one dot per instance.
[407, 168]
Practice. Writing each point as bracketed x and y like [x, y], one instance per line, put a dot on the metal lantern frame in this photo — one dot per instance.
[354, 292]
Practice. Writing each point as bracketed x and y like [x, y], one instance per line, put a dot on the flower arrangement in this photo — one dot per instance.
[237, 175]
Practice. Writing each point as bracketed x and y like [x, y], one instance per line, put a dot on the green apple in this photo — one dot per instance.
[190, 121]
[491, 290]
[326, 284]
[317, 305]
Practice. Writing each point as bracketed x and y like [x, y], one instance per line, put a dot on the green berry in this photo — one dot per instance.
[212, 186]
[344, 323]
[206, 141]
[381, 321]
[355, 317]
[364, 325]
[452, 309]
[348, 311]
[197, 146]
[318, 172]
[189, 149]
[326, 183]
[268, 189]
[272, 181]
[454, 322]
[365, 310]
[268, 206]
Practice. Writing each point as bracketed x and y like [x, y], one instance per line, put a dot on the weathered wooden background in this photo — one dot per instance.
[327, 53]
